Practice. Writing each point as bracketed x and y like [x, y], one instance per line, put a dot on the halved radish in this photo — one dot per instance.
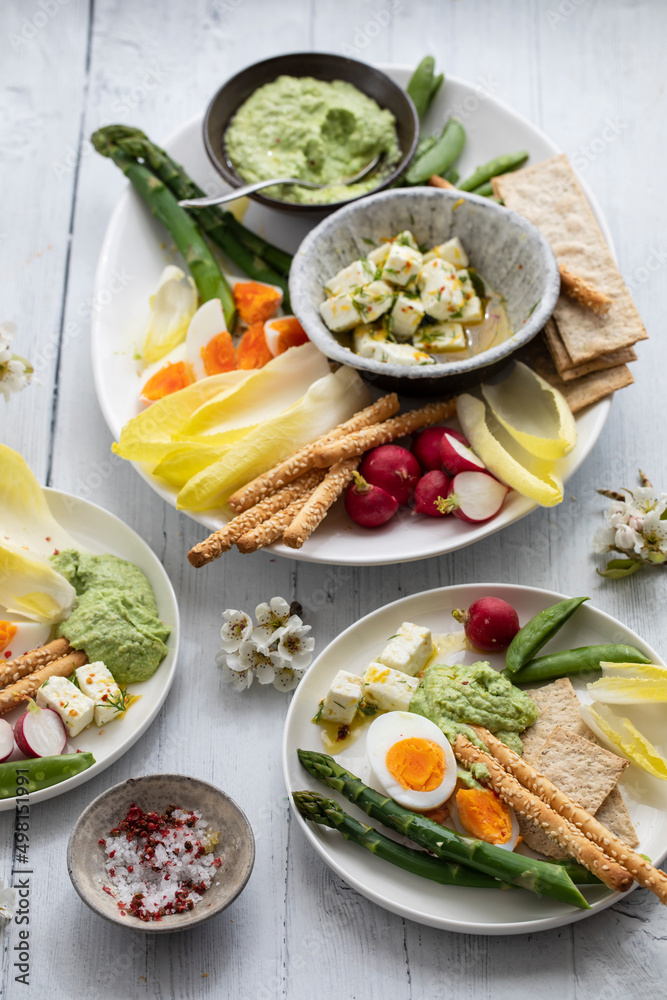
[6, 740]
[475, 497]
[40, 732]
[457, 456]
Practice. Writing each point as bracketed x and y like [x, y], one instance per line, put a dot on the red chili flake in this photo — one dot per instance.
[102, 842]
[105, 888]
[130, 868]
[56, 552]
[8, 654]
[112, 854]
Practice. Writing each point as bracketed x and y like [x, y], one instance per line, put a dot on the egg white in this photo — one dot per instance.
[392, 728]
[207, 323]
[29, 635]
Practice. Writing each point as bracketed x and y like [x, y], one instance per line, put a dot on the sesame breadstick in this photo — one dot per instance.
[272, 529]
[223, 539]
[13, 670]
[316, 506]
[301, 461]
[584, 293]
[360, 441]
[641, 870]
[28, 686]
[554, 825]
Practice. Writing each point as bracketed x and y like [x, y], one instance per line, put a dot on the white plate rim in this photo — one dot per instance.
[341, 557]
[169, 662]
[571, 914]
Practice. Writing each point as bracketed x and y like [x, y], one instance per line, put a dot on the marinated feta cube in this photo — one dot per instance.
[354, 276]
[402, 264]
[387, 689]
[339, 313]
[451, 251]
[378, 256]
[406, 239]
[74, 707]
[440, 289]
[373, 301]
[406, 315]
[366, 339]
[342, 699]
[409, 650]
[438, 338]
[472, 311]
[379, 347]
[96, 681]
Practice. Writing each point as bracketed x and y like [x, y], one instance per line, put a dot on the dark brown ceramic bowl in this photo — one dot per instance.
[155, 792]
[322, 66]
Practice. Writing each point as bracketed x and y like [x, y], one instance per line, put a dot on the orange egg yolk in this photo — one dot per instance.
[218, 354]
[169, 379]
[290, 333]
[484, 815]
[253, 350]
[255, 302]
[416, 763]
[7, 633]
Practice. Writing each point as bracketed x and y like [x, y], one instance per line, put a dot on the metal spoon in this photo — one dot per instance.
[240, 192]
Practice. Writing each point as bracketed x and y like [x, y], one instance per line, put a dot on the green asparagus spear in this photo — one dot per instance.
[500, 165]
[536, 876]
[203, 266]
[242, 246]
[441, 156]
[318, 809]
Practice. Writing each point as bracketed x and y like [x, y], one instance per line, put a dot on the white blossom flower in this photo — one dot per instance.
[239, 679]
[287, 678]
[635, 529]
[7, 900]
[15, 372]
[252, 657]
[237, 627]
[271, 621]
[294, 646]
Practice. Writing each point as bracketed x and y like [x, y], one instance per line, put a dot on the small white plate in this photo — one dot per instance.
[472, 911]
[100, 532]
[133, 256]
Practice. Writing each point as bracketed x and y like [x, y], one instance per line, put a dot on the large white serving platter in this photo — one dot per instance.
[134, 253]
[99, 532]
[475, 911]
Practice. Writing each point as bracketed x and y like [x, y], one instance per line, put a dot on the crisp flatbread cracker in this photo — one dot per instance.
[613, 813]
[550, 196]
[566, 367]
[579, 392]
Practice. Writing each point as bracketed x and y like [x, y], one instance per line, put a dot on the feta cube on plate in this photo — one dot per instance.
[342, 699]
[451, 251]
[440, 289]
[406, 315]
[439, 338]
[339, 312]
[96, 681]
[74, 707]
[402, 264]
[409, 650]
[373, 300]
[390, 690]
[354, 276]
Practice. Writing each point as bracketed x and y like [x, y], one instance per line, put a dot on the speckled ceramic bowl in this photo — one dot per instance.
[236, 846]
[507, 250]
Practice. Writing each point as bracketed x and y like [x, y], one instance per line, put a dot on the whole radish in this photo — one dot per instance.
[489, 623]
[40, 732]
[368, 505]
[426, 446]
[430, 491]
[6, 740]
[475, 497]
[457, 456]
[393, 469]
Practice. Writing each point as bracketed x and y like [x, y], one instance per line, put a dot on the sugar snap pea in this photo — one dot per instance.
[19, 777]
[441, 156]
[568, 662]
[485, 189]
[435, 87]
[500, 165]
[537, 632]
[421, 82]
[452, 175]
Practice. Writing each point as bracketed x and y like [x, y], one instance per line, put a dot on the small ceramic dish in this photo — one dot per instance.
[323, 66]
[507, 250]
[155, 792]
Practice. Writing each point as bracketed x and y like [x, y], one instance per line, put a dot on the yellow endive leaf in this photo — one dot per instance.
[504, 457]
[533, 412]
[621, 736]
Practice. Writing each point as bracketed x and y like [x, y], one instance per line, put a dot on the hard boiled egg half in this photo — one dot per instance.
[479, 813]
[17, 638]
[411, 759]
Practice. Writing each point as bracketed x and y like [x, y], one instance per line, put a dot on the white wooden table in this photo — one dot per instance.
[573, 67]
